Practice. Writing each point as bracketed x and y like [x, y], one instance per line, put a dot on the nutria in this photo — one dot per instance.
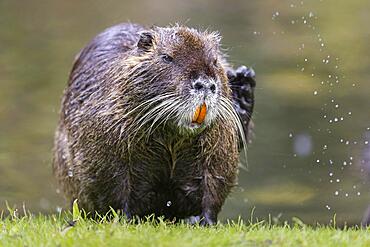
[148, 124]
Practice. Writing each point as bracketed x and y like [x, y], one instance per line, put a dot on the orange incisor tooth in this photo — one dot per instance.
[200, 114]
[196, 114]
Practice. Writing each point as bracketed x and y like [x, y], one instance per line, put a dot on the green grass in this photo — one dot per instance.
[54, 230]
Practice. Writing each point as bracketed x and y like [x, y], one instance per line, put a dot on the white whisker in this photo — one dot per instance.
[227, 109]
[153, 115]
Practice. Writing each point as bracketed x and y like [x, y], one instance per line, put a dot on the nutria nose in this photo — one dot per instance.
[205, 85]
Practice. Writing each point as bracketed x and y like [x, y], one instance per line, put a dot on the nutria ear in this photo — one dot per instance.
[145, 41]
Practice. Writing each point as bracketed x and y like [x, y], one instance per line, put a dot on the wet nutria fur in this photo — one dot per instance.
[127, 137]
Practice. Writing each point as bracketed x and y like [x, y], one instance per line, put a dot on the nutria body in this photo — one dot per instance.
[148, 124]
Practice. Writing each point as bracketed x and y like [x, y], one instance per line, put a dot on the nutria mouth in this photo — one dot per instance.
[200, 114]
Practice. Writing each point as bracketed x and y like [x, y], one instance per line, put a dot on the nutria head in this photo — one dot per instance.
[182, 72]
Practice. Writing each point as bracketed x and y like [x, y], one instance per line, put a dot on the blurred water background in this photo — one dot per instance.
[310, 157]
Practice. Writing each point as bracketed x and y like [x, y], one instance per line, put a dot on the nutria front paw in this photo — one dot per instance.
[126, 212]
[241, 76]
[207, 220]
[192, 220]
[242, 83]
[202, 220]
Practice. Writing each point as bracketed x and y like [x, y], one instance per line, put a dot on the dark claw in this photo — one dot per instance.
[202, 220]
[207, 220]
[245, 72]
[193, 220]
[126, 212]
[242, 76]
[231, 75]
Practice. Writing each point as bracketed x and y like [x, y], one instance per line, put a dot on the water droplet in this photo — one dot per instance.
[168, 204]
[366, 142]
[331, 174]
[336, 106]
[346, 194]
[315, 93]
[327, 207]
[290, 135]
[317, 161]
[336, 193]
[358, 193]
[274, 15]
[70, 172]
[59, 209]
[337, 180]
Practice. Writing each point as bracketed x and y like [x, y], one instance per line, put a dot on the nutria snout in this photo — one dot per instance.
[152, 116]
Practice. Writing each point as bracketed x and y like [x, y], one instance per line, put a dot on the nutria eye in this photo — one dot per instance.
[167, 58]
